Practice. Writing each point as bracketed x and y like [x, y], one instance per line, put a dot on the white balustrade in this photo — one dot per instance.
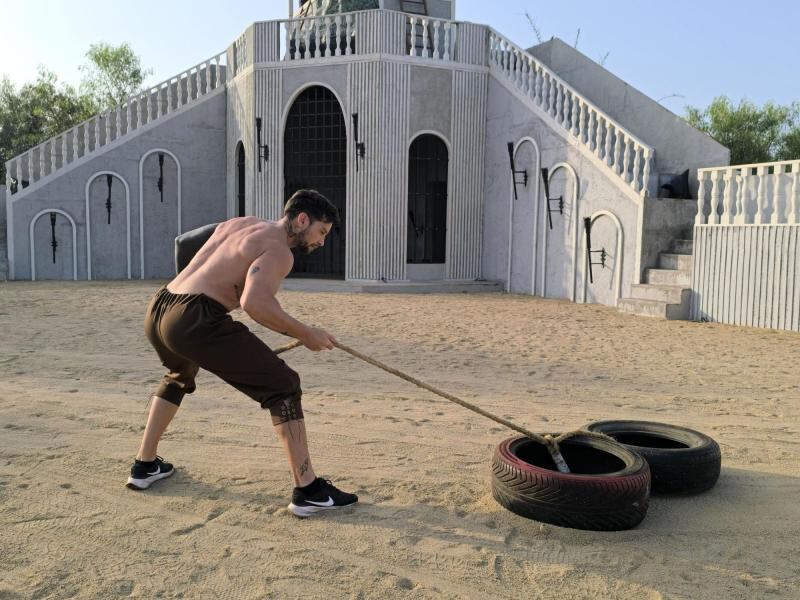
[763, 193]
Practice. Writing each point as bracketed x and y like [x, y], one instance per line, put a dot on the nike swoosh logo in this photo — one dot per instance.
[158, 471]
[328, 502]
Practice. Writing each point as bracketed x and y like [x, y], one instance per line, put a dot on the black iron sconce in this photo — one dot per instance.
[360, 148]
[109, 179]
[53, 241]
[514, 172]
[263, 150]
[161, 174]
[14, 185]
[549, 200]
[587, 225]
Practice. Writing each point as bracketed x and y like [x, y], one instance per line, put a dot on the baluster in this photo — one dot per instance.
[648, 161]
[700, 217]
[216, 72]
[777, 177]
[198, 89]
[86, 144]
[117, 122]
[637, 163]
[576, 117]
[208, 76]
[424, 22]
[448, 26]
[315, 51]
[306, 30]
[52, 156]
[740, 214]
[76, 143]
[42, 161]
[716, 197]
[169, 96]
[610, 131]
[794, 197]
[143, 113]
[534, 80]
[762, 195]
[626, 157]
[349, 19]
[529, 77]
[435, 50]
[727, 203]
[108, 128]
[553, 96]
[160, 101]
[64, 149]
[98, 121]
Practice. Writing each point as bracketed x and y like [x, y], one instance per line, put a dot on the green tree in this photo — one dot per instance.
[37, 112]
[753, 134]
[112, 74]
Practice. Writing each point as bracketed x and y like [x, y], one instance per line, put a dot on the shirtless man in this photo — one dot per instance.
[187, 322]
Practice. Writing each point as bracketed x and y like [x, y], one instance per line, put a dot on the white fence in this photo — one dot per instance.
[749, 194]
[747, 275]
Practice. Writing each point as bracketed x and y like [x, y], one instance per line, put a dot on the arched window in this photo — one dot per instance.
[427, 200]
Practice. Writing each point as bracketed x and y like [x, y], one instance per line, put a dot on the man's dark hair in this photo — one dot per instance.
[314, 204]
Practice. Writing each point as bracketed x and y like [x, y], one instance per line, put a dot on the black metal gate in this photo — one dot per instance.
[315, 146]
[240, 181]
[427, 200]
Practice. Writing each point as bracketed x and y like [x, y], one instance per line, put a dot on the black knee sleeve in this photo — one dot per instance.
[287, 409]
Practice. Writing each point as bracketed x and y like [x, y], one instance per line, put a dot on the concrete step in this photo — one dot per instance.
[654, 308]
[681, 262]
[668, 277]
[682, 246]
[673, 294]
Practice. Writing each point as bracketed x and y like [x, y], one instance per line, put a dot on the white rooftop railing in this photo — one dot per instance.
[626, 155]
[763, 193]
[142, 108]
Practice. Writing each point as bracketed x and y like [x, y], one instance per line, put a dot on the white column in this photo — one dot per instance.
[626, 158]
[637, 164]
[727, 206]
[436, 25]
[713, 218]
[761, 216]
[700, 218]
[610, 130]
[64, 150]
[794, 196]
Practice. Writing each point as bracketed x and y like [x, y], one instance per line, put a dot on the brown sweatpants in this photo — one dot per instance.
[190, 331]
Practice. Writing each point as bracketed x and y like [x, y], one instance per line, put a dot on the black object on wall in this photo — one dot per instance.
[587, 225]
[161, 174]
[514, 171]
[549, 200]
[109, 179]
[261, 149]
[53, 241]
[360, 147]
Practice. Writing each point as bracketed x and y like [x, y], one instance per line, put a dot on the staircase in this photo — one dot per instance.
[667, 293]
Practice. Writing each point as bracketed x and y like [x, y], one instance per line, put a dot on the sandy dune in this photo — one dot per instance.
[76, 373]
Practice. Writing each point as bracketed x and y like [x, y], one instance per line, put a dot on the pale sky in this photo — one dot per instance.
[694, 49]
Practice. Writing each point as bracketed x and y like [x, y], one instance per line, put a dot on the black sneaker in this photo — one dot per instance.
[317, 496]
[143, 474]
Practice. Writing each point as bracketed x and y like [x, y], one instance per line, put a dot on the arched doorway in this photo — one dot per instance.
[427, 200]
[241, 209]
[314, 150]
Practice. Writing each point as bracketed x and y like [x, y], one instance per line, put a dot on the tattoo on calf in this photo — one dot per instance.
[254, 270]
[303, 468]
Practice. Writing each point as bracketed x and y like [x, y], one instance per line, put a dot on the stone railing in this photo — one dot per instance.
[627, 156]
[143, 108]
[765, 193]
[368, 32]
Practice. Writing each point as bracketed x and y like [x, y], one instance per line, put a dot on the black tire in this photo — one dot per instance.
[682, 461]
[608, 490]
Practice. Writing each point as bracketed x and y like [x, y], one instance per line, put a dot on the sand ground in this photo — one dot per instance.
[76, 373]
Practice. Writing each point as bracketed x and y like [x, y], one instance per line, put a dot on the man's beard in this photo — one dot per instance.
[301, 244]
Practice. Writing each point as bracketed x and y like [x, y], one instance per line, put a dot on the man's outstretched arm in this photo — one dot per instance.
[258, 300]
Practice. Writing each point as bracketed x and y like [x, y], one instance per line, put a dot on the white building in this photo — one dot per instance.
[410, 122]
